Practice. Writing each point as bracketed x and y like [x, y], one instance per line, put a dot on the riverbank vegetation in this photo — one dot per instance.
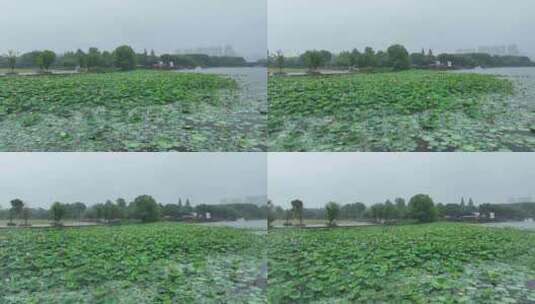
[419, 208]
[430, 263]
[395, 57]
[121, 58]
[153, 263]
[143, 209]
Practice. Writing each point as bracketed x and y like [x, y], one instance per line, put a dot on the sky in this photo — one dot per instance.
[317, 178]
[297, 25]
[164, 25]
[40, 179]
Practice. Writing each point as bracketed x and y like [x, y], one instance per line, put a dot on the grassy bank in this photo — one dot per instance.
[436, 263]
[406, 111]
[131, 111]
[132, 264]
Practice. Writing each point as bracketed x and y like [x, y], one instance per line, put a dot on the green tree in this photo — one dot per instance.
[145, 58]
[398, 57]
[79, 208]
[297, 208]
[353, 211]
[58, 212]
[45, 59]
[94, 58]
[313, 59]
[82, 58]
[355, 57]
[471, 206]
[12, 60]
[270, 214]
[107, 59]
[187, 206]
[418, 59]
[377, 212]
[146, 209]
[332, 211]
[401, 207]
[344, 59]
[26, 212]
[390, 211]
[279, 60]
[125, 58]
[422, 208]
[368, 59]
[16, 206]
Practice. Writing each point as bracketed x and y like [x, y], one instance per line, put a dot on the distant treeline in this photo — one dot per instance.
[122, 57]
[420, 207]
[143, 208]
[396, 57]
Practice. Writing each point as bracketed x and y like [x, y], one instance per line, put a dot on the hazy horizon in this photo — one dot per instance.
[40, 179]
[337, 25]
[317, 178]
[163, 25]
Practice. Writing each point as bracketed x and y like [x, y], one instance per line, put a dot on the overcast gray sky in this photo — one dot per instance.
[317, 178]
[42, 178]
[441, 25]
[165, 25]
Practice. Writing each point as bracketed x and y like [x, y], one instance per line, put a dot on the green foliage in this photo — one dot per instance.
[57, 211]
[332, 211]
[363, 111]
[114, 90]
[408, 92]
[45, 59]
[94, 58]
[146, 209]
[315, 59]
[422, 208]
[154, 263]
[435, 263]
[297, 210]
[12, 59]
[124, 58]
[398, 57]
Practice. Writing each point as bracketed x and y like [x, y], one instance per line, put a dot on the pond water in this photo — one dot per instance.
[252, 82]
[517, 225]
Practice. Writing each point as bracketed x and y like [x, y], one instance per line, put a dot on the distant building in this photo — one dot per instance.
[216, 51]
[500, 50]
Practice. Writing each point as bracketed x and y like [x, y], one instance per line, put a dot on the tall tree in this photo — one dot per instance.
[422, 208]
[398, 57]
[12, 60]
[16, 206]
[125, 58]
[58, 212]
[297, 208]
[332, 211]
[279, 60]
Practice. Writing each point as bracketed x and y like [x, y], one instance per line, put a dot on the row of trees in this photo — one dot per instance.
[123, 57]
[420, 208]
[143, 208]
[396, 57]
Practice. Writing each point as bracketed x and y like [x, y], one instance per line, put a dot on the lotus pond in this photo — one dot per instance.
[131, 111]
[406, 111]
[154, 263]
[435, 263]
